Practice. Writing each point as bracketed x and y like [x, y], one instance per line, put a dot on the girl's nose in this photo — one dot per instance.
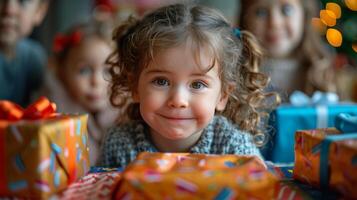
[97, 79]
[179, 98]
[275, 18]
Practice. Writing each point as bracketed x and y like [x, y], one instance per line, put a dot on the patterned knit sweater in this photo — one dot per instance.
[123, 143]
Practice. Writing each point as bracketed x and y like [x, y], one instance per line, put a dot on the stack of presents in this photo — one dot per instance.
[44, 155]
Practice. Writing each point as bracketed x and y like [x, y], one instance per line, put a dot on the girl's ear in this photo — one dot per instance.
[221, 105]
[41, 12]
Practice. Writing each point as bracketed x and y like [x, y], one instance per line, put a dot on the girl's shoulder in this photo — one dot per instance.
[221, 123]
[129, 129]
[227, 130]
[224, 137]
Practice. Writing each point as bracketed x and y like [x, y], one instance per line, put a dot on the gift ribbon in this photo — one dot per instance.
[62, 42]
[346, 123]
[318, 99]
[325, 149]
[40, 109]
[71, 159]
[9, 111]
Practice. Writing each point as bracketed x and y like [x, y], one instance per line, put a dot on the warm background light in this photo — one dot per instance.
[328, 17]
[335, 8]
[354, 47]
[351, 4]
[334, 37]
[319, 25]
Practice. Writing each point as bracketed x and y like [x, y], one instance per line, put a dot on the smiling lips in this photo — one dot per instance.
[176, 118]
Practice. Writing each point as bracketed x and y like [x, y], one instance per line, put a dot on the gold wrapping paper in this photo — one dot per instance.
[43, 156]
[342, 160]
[196, 176]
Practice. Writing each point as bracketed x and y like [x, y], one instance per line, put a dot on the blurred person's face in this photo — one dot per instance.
[85, 73]
[278, 25]
[17, 19]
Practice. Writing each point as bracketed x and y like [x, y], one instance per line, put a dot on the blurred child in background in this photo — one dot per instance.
[78, 82]
[21, 60]
[193, 84]
[296, 58]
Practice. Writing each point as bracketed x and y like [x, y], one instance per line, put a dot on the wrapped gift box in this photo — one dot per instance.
[42, 156]
[196, 176]
[287, 119]
[327, 159]
[101, 183]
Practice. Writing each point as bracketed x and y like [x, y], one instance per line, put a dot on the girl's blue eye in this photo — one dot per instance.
[24, 2]
[106, 73]
[287, 10]
[198, 85]
[161, 82]
[261, 12]
[83, 71]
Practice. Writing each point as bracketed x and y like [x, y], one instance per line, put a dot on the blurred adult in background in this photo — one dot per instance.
[21, 60]
[296, 58]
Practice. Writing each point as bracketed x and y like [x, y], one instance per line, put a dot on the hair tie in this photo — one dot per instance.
[237, 32]
[62, 42]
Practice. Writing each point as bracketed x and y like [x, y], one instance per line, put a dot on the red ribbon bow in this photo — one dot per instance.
[42, 108]
[63, 41]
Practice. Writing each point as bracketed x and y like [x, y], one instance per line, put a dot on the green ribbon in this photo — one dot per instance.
[325, 149]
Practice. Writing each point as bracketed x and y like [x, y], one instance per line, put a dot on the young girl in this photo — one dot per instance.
[296, 57]
[78, 83]
[192, 82]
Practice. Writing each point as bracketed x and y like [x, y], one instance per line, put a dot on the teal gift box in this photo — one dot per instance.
[287, 119]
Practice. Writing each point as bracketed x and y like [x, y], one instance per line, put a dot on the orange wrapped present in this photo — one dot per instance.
[326, 158]
[196, 176]
[40, 152]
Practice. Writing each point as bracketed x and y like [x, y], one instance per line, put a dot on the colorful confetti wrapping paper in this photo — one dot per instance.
[196, 176]
[342, 161]
[41, 157]
[99, 186]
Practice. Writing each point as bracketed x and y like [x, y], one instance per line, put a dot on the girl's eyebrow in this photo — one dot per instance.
[150, 71]
[202, 73]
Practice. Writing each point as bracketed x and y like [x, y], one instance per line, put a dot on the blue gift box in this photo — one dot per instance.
[287, 119]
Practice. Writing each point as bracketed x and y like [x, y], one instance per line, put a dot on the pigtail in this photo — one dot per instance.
[252, 54]
[251, 104]
[123, 66]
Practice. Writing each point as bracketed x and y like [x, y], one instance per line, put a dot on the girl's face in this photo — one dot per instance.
[18, 17]
[85, 73]
[278, 25]
[178, 93]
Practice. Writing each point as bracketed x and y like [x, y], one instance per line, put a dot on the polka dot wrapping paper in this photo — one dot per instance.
[43, 156]
[327, 159]
[196, 176]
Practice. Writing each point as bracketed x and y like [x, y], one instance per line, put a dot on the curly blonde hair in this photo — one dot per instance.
[311, 52]
[137, 41]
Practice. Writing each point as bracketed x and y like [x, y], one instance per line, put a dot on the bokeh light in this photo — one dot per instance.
[328, 17]
[319, 25]
[334, 37]
[354, 47]
[335, 8]
[351, 4]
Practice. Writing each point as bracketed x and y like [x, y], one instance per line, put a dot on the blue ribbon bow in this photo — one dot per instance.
[320, 100]
[298, 98]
